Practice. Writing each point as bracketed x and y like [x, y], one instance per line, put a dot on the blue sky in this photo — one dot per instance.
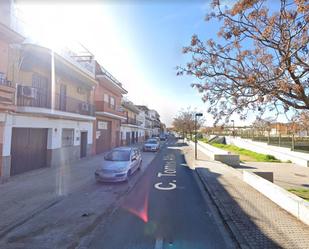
[139, 42]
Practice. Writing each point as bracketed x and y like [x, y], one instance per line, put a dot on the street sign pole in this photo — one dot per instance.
[195, 127]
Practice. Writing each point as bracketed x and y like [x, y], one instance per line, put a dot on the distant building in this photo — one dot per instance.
[156, 123]
[109, 112]
[130, 126]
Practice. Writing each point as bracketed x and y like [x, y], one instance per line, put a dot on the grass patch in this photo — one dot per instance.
[248, 155]
[301, 192]
[205, 140]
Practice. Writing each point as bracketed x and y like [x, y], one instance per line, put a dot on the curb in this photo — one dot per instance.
[293, 204]
[84, 238]
[227, 220]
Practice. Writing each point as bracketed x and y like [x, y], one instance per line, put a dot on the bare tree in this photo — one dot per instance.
[301, 121]
[263, 125]
[184, 122]
[262, 62]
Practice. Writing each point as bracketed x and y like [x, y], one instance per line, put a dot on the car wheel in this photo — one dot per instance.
[128, 175]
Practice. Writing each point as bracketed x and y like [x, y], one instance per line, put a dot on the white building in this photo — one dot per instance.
[52, 123]
[156, 123]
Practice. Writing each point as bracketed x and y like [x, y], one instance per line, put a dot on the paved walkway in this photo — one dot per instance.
[286, 175]
[26, 194]
[255, 221]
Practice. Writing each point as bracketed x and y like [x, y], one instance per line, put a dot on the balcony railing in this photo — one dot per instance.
[102, 106]
[5, 82]
[68, 104]
[132, 121]
[36, 97]
[7, 94]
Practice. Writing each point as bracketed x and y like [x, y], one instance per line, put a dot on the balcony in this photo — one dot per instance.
[132, 121]
[102, 106]
[68, 104]
[7, 93]
[36, 97]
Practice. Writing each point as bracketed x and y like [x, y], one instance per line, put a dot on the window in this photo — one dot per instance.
[118, 155]
[106, 99]
[112, 103]
[2, 78]
[67, 137]
[39, 81]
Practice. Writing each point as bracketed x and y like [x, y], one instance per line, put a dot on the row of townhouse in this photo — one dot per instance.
[141, 123]
[58, 107]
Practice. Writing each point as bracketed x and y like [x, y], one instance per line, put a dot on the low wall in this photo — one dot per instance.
[281, 153]
[218, 154]
[286, 200]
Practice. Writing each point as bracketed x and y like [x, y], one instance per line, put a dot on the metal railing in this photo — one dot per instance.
[42, 98]
[102, 106]
[5, 82]
[132, 121]
[294, 142]
[69, 104]
[110, 76]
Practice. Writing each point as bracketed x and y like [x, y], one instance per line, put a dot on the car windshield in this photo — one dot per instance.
[151, 142]
[118, 155]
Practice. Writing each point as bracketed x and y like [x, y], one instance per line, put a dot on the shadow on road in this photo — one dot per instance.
[242, 225]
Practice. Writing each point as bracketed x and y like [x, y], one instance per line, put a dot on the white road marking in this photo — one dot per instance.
[159, 243]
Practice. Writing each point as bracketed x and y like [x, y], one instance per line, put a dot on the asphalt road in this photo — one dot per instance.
[166, 209]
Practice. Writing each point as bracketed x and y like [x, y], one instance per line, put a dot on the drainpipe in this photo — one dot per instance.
[53, 84]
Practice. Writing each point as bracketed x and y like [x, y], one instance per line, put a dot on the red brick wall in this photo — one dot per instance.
[115, 127]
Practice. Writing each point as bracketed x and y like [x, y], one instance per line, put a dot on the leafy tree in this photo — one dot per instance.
[259, 62]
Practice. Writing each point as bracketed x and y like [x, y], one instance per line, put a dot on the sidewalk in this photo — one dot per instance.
[255, 221]
[286, 175]
[27, 194]
[54, 208]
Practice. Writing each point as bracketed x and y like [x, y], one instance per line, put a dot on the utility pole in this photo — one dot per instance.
[195, 126]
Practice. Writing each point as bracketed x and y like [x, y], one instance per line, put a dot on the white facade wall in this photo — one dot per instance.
[141, 117]
[53, 125]
[126, 128]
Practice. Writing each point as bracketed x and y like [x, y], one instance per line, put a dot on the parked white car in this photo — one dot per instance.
[119, 164]
[151, 144]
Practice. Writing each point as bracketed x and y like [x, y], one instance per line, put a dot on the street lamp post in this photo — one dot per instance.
[195, 126]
